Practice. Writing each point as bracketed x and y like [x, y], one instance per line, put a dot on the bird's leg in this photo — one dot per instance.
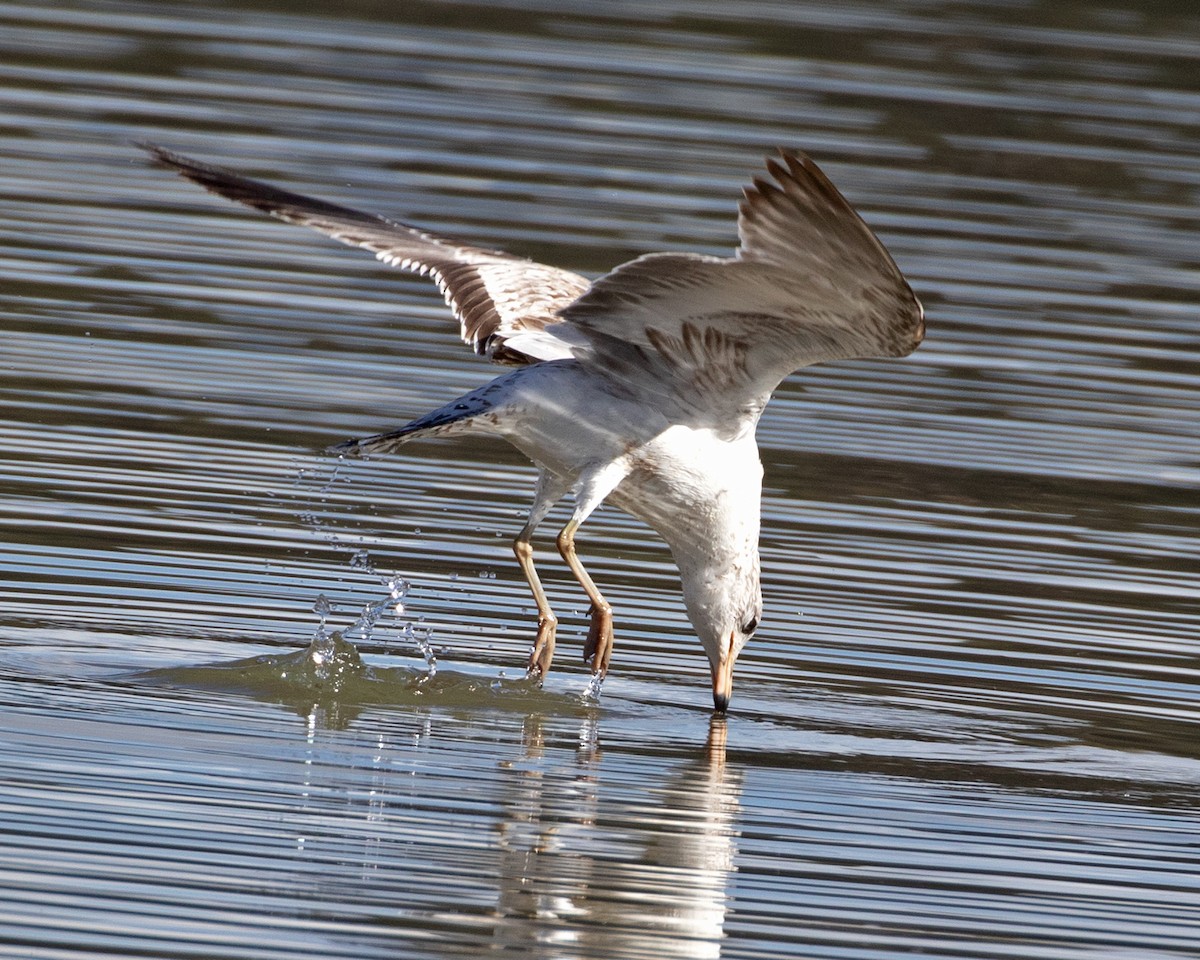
[598, 649]
[543, 645]
[549, 491]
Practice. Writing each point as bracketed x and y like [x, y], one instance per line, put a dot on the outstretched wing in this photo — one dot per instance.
[810, 282]
[495, 296]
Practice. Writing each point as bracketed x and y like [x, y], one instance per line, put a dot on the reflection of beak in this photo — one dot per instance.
[722, 677]
[718, 734]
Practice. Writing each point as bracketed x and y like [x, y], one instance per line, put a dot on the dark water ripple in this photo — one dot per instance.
[968, 726]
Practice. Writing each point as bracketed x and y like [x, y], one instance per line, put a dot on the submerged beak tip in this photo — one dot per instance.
[722, 684]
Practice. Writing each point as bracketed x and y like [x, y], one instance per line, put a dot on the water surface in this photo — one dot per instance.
[968, 726]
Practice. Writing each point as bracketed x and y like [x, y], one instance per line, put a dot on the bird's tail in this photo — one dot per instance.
[380, 443]
[458, 416]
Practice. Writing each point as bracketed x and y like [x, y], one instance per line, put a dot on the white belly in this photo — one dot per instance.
[695, 488]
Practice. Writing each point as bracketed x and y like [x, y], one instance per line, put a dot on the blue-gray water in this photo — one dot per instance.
[969, 725]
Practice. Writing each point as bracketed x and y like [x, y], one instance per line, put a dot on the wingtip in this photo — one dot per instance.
[779, 171]
[159, 154]
[793, 155]
[184, 166]
[790, 165]
[206, 175]
[796, 164]
[798, 161]
[760, 186]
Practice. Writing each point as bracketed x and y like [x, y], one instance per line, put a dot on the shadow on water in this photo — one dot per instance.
[329, 683]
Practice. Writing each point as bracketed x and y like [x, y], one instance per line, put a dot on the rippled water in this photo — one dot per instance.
[968, 726]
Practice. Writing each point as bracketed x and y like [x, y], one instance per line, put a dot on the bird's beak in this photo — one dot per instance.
[722, 679]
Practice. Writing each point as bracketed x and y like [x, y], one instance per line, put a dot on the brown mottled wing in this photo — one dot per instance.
[493, 295]
[810, 282]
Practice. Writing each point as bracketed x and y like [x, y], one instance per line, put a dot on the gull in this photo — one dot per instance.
[643, 387]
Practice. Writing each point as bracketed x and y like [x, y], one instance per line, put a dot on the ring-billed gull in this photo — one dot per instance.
[643, 387]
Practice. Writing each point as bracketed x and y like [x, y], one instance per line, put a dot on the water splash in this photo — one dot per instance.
[421, 638]
[315, 511]
[393, 603]
[375, 609]
[397, 589]
[372, 612]
[591, 693]
[322, 608]
[321, 650]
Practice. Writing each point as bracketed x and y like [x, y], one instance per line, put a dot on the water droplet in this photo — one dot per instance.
[421, 638]
[371, 612]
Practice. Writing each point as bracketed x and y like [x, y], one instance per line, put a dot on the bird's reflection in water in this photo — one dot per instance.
[597, 867]
[618, 857]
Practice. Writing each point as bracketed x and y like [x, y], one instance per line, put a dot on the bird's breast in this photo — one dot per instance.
[695, 489]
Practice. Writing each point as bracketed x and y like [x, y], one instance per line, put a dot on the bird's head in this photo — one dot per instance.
[725, 605]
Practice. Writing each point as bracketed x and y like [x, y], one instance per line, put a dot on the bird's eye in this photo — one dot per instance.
[750, 626]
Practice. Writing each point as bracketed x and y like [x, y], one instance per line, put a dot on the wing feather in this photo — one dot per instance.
[494, 295]
[810, 282]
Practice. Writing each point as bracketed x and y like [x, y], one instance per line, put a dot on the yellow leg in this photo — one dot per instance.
[549, 491]
[598, 649]
[543, 645]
